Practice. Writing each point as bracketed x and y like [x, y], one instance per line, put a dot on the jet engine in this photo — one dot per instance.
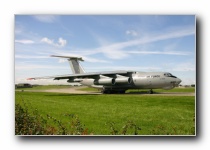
[112, 81]
[123, 80]
[74, 80]
[106, 81]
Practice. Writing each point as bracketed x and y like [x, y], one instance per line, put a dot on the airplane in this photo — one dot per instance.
[116, 81]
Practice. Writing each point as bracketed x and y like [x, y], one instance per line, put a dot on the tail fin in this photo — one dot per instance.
[74, 64]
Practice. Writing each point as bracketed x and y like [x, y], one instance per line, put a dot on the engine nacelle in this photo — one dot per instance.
[74, 80]
[111, 81]
[106, 81]
[123, 80]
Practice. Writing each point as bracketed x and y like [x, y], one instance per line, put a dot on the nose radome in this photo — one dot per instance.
[179, 80]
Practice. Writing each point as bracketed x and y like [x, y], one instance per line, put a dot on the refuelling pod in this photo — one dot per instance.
[107, 81]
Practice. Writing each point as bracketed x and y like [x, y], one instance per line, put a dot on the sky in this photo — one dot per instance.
[149, 43]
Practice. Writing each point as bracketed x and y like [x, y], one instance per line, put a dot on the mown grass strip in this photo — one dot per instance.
[101, 114]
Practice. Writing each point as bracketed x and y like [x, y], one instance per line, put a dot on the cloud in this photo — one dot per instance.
[131, 32]
[160, 52]
[87, 59]
[113, 53]
[188, 66]
[134, 68]
[26, 66]
[154, 38]
[46, 18]
[24, 41]
[180, 66]
[117, 50]
[62, 60]
[46, 40]
[61, 42]
[121, 50]
[31, 57]
[18, 31]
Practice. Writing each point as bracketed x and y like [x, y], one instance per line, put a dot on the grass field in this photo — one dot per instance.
[47, 87]
[188, 89]
[113, 114]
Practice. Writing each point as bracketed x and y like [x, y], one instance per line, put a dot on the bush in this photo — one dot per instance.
[34, 124]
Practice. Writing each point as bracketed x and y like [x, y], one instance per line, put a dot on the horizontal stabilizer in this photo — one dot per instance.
[70, 57]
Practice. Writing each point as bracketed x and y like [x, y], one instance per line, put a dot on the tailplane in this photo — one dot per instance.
[74, 64]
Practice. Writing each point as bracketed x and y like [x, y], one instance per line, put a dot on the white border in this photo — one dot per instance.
[9, 8]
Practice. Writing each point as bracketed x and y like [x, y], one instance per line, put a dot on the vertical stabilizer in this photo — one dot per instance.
[75, 66]
[74, 63]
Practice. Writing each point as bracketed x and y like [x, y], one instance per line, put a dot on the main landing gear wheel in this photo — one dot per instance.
[121, 92]
[150, 91]
[106, 91]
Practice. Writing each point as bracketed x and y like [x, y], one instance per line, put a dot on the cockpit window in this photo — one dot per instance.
[169, 75]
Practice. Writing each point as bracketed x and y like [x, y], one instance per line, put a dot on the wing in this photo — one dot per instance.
[94, 75]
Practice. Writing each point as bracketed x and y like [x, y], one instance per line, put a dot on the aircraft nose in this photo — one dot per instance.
[178, 81]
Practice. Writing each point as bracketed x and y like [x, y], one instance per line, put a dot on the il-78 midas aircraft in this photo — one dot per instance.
[116, 81]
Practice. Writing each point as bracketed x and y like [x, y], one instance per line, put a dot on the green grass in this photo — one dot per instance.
[101, 114]
[188, 89]
[46, 87]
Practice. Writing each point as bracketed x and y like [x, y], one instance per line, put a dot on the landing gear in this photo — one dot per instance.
[109, 91]
[150, 91]
[121, 91]
[105, 91]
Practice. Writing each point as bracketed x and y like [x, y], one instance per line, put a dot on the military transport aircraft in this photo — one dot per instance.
[116, 81]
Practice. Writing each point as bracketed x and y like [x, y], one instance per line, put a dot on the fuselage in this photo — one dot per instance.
[140, 80]
[116, 81]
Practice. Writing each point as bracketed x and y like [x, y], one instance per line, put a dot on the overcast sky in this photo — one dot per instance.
[106, 42]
